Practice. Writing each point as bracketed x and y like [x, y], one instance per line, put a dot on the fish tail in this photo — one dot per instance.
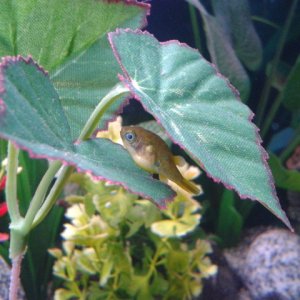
[189, 186]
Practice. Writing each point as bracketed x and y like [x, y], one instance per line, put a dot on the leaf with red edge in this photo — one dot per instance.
[200, 110]
[33, 118]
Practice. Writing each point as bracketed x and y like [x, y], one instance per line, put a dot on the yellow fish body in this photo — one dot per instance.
[152, 154]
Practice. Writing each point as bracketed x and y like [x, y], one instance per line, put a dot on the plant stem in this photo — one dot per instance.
[271, 115]
[11, 183]
[267, 87]
[265, 21]
[195, 27]
[100, 109]
[15, 277]
[53, 195]
[39, 195]
[66, 171]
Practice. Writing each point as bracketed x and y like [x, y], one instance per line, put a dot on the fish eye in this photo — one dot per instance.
[130, 136]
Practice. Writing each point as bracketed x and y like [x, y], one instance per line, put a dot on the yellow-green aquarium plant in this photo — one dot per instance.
[117, 246]
[63, 75]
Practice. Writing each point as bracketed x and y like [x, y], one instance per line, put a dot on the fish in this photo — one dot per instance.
[151, 153]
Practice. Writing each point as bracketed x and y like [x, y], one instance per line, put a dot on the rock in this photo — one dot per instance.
[268, 264]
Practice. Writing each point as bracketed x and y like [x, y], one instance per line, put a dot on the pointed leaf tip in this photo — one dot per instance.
[200, 111]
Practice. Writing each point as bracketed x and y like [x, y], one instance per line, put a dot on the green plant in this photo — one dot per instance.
[119, 247]
[53, 115]
[235, 47]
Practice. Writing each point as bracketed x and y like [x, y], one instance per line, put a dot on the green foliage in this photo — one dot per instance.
[231, 40]
[284, 178]
[73, 47]
[231, 139]
[47, 114]
[43, 128]
[37, 265]
[230, 221]
[291, 92]
[112, 248]
[175, 84]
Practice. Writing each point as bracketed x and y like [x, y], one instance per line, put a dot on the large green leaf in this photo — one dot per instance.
[68, 38]
[33, 118]
[51, 31]
[200, 110]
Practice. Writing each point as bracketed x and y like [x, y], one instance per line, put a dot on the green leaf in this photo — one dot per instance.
[3, 150]
[230, 221]
[234, 16]
[200, 111]
[232, 39]
[284, 178]
[33, 118]
[52, 31]
[175, 228]
[291, 91]
[68, 38]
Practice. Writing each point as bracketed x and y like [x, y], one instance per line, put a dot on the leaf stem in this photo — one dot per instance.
[265, 21]
[267, 87]
[39, 195]
[11, 183]
[66, 171]
[195, 27]
[100, 109]
[15, 277]
[271, 115]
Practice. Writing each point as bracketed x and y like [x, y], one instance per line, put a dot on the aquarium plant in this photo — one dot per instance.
[63, 75]
[117, 246]
[266, 74]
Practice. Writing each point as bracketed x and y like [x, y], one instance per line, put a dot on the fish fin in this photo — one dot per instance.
[178, 160]
[189, 186]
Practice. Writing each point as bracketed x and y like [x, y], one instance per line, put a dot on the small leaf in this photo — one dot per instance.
[200, 111]
[230, 221]
[175, 228]
[284, 178]
[106, 271]
[291, 91]
[55, 252]
[63, 294]
[33, 118]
